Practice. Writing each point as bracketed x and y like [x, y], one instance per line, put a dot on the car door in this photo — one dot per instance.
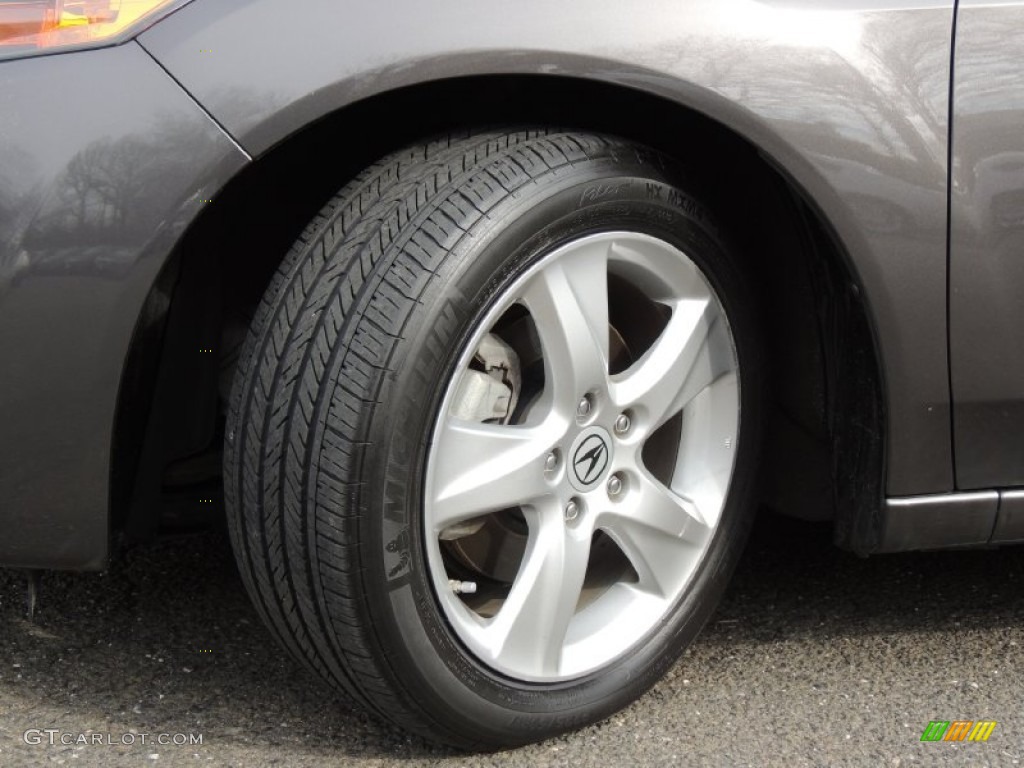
[987, 247]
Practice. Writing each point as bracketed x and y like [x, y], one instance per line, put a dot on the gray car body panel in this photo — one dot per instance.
[849, 98]
[104, 161]
[987, 246]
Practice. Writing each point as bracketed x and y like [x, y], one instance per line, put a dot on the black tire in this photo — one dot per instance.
[340, 380]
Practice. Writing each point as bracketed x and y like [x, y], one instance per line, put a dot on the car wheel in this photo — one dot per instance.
[492, 439]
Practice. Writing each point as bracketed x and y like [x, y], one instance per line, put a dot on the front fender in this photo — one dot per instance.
[848, 98]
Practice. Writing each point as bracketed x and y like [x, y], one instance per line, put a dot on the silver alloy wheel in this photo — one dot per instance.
[553, 621]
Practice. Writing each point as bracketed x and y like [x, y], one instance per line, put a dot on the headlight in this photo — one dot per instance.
[32, 27]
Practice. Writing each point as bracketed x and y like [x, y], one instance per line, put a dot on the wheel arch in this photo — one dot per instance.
[167, 406]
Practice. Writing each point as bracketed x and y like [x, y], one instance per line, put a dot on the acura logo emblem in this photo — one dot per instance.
[590, 459]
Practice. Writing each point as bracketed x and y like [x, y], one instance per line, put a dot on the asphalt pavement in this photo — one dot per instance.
[815, 658]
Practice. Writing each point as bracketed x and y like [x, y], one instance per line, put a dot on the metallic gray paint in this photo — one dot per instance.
[850, 98]
[939, 520]
[1010, 523]
[103, 163]
[987, 246]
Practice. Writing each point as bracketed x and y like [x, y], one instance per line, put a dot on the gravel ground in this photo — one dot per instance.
[814, 658]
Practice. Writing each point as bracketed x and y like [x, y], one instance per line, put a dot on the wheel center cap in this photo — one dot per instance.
[589, 458]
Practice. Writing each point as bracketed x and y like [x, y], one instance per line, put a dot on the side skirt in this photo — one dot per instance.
[940, 521]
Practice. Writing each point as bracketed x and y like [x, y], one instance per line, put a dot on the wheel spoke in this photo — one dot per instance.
[529, 630]
[707, 445]
[715, 360]
[482, 468]
[569, 304]
[678, 365]
[658, 530]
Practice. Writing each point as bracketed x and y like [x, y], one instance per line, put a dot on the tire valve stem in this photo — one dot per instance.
[462, 587]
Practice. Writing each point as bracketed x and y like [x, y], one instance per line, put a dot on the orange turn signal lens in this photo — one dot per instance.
[39, 26]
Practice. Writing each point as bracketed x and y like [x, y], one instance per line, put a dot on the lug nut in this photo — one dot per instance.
[551, 462]
[614, 485]
[572, 511]
[622, 424]
[583, 409]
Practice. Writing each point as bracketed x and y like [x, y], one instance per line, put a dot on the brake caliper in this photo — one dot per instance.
[490, 394]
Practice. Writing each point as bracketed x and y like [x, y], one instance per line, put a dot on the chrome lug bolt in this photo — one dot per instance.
[572, 511]
[622, 424]
[551, 462]
[583, 409]
[614, 485]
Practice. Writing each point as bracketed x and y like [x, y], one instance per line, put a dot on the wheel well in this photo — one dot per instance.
[824, 452]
